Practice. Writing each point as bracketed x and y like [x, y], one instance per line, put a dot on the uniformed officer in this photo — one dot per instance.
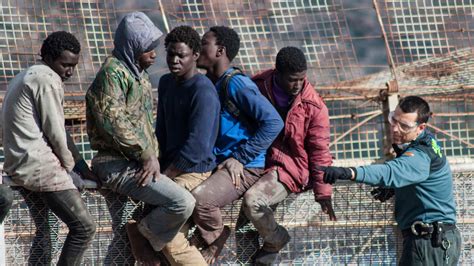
[422, 182]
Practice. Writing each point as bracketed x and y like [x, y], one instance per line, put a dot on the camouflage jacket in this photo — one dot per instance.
[120, 113]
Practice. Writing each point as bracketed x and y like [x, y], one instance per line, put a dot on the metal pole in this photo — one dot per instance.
[389, 98]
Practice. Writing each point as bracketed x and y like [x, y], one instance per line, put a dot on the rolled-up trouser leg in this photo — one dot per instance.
[179, 251]
[257, 205]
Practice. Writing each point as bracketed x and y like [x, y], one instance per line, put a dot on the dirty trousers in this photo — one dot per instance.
[257, 205]
[214, 193]
[71, 209]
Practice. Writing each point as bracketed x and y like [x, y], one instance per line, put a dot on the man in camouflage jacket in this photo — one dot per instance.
[120, 128]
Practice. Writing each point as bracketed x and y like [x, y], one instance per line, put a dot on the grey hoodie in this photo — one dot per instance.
[135, 35]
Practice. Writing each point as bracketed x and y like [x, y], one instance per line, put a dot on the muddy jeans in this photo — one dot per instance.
[70, 208]
[257, 205]
[214, 193]
[172, 204]
[179, 251]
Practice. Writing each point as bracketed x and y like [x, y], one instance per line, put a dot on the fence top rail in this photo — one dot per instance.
[458, 165]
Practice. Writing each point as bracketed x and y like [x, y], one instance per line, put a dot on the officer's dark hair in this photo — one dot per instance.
[411, 104]
[290, 60]
[57, 42]
[184, 34]
[228, 38]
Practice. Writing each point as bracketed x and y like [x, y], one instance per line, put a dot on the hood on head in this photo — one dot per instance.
[135, 35]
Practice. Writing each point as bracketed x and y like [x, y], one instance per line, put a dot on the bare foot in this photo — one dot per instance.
[141, 249]
[211, 253]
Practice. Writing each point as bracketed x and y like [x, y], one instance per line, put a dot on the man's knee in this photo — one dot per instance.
[91, 228]
[249, 202]
[199, 194]
[84, 227]
[205, 196]
[190, 203]
[185, 206]
[88, 230]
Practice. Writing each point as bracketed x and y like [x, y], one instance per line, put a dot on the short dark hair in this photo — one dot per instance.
[290, 60]
[228, 38]
[57, 42]
[184, 34]
[411, 104]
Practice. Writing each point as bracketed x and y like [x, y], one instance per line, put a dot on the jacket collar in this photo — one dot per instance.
[307, 94]
[423, 139]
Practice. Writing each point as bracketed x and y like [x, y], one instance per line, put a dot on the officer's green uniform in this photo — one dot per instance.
[423, 186]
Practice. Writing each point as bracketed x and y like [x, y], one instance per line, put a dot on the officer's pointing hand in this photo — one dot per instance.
[332, 173]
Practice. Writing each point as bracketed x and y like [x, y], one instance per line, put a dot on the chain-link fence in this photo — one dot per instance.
[365, 232]
[354, 49]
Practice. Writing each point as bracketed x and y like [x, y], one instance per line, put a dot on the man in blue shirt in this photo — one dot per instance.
[186, 127]
[242, 139]
[422, 183]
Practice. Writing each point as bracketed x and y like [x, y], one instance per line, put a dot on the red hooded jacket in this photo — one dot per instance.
[303, 144]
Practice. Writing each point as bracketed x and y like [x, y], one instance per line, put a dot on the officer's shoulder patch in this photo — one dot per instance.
[436, 148]
[409, 154]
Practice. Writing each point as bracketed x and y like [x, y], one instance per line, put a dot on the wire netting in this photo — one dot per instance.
[365, 232]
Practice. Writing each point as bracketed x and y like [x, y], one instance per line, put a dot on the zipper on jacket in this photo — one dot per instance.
[280, 151]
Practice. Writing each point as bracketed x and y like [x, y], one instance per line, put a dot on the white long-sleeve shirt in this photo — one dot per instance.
[34, 138]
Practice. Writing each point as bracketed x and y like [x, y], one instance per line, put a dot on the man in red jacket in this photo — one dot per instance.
[293, 158]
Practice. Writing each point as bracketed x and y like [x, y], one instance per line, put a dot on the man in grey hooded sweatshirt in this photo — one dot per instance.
[120, 127]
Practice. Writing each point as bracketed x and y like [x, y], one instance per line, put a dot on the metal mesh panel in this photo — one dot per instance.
[364, 233]
[453, 120]
[349, 46]
[422, 29]
[356, 129]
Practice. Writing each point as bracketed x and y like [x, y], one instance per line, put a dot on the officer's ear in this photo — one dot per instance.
[422, 126]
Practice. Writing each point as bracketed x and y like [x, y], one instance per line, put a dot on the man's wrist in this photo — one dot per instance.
[237, 156]
[147, 154]
[353, 173]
